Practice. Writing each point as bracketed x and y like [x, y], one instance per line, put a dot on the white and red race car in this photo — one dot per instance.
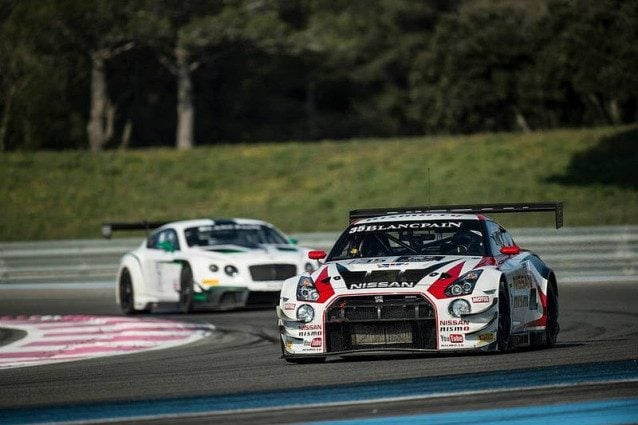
[213, 263]
[421, 279]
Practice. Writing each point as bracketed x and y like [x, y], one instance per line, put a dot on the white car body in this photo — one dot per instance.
[222, 274]
[404, 302]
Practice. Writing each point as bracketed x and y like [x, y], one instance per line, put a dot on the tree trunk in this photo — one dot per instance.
[185, 107]
[102, 115]
[598, 107]
[521, 122]
[96, 127]
[126, 135]
[311, 109]
[4, 125]
[614, 112]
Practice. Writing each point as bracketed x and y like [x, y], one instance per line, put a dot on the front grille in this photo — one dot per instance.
[266, 272]
[382, 321]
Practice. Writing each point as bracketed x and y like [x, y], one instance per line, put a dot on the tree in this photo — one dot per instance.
[466, 81]
[42, 79]
[597, 42]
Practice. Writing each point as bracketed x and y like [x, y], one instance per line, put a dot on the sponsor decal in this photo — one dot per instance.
[210, 282]
[367, 260]
[533, 302]
[481, 299]
[388, 265]
[289, 306]
[229, 226]
[316, 342]
[454, 325]
[448, 322]
[452, 340]
[487, 337]
[374, 285]
[404, 226]
[458, 328]
[523, 281]
[520, 301]
[378, 298]
[456, 338]
[310, 333]
[310, 327]
[520, 339]
[421, 258]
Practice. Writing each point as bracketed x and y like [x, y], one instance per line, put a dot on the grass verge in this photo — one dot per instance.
[303, 187]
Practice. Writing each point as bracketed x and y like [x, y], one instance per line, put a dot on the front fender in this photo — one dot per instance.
[133, 264]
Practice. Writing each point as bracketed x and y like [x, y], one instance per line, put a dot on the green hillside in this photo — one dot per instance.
[304, 187]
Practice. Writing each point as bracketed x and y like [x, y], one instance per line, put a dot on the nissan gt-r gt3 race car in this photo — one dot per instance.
[424, 279]
[221, 263]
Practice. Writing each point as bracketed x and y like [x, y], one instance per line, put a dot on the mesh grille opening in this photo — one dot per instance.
[269, 272]
[388, 321]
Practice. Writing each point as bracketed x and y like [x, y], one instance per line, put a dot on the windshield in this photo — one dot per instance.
[401, 238]
[233, 234]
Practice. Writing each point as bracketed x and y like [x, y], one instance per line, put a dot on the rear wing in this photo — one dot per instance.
[109, 228]
[556, 207]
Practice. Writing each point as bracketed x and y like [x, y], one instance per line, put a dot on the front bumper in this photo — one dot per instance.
[411, 323]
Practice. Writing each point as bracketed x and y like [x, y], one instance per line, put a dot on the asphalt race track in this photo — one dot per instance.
[239, 363]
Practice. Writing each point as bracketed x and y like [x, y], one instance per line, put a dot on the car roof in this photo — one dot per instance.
[184, 224]
[420, 217]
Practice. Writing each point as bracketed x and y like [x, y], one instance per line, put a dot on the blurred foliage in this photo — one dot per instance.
[308, 187]
[313, 69]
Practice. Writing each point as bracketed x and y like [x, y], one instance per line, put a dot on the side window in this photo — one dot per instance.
[162, 239]
[153, 241]
[507, 238]
[495, 237]
[170, 236]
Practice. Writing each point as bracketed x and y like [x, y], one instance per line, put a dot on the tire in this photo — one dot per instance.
[503, 335]
[186, 289]
[551, 326]
[127, 295]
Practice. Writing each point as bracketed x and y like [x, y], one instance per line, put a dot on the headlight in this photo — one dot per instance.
[459, 308]
[231, 270]
[213, 268]
[464, 285]
[305, 313]
[309, 267]
[306, 290]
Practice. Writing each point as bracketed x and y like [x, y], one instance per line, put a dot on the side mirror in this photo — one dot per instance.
[293, 241]
[510, 250]
[317, 255]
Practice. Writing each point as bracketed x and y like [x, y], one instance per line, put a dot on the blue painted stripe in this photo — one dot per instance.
[608, 412]
[365, 392]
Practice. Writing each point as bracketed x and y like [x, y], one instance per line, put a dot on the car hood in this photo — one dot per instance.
[391, 273]
[268, 253]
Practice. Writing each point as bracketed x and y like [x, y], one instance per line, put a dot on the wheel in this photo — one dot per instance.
[551, 327]
[186, 289]
[503, 335]
[300, 360]
[127, 296]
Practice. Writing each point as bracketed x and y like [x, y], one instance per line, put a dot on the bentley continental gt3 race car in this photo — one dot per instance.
[220, 263]
[421, 279]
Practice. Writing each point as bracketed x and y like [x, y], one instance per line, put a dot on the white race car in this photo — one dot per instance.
[427, 279]
[221, 263]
